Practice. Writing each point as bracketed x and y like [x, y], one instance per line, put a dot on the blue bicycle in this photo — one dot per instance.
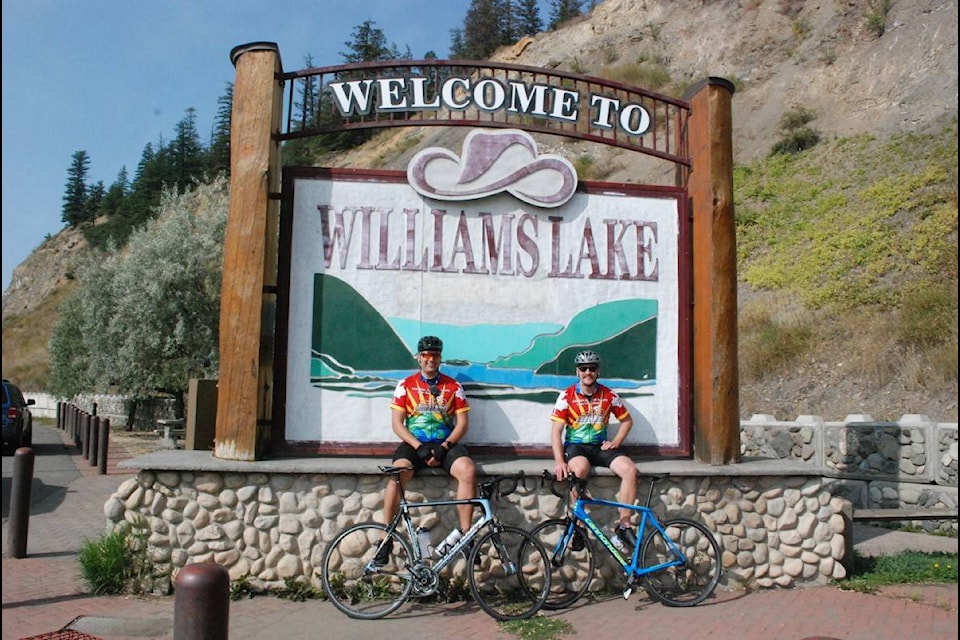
[678, 561]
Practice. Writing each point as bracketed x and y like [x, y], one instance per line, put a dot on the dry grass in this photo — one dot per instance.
[26, 337]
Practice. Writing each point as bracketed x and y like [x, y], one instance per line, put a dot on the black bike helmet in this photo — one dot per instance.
[429, 343]
[587, 357]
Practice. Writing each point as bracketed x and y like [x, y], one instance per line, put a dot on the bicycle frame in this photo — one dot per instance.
[405, 518]
[647, 518]
[488, 518]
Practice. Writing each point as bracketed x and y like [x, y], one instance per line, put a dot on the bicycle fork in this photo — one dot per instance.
[508, 565]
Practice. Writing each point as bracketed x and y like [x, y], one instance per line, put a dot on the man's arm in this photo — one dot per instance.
[459, 430]
[625, 425]
[399, 424]
[560, 469]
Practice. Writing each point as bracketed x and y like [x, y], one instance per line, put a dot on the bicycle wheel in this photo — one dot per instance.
[509, 573]
[572, 561]
[355, 584]
[686, 584]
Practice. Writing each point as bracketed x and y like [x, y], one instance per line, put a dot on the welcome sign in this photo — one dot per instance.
[501, 253]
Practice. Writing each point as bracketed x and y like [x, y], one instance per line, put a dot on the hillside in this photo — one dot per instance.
[856, 70]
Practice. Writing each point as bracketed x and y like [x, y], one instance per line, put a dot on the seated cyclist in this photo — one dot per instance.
[579, 435]
[429, 414]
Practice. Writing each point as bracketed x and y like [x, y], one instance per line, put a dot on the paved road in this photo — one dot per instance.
[44, 597]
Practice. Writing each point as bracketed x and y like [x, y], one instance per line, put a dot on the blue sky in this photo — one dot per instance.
[109, 76]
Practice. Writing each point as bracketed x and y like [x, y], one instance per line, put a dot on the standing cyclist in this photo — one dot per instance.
[429, 414]
[579, 421]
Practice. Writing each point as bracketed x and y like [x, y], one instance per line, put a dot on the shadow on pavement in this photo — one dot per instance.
[44, 498]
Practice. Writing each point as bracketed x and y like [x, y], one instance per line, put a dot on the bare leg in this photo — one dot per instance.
[391, 495]
[580, 467]
[624, 467]
[465, 473]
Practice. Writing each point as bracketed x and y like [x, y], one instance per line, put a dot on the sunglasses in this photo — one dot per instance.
[430, 355]
[587, 367]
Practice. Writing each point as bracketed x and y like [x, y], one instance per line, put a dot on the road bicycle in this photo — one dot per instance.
[678, 561]
[507, 569]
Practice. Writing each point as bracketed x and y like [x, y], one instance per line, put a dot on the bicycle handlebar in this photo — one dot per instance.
[492, 485]
[562, 488]
[489, 488]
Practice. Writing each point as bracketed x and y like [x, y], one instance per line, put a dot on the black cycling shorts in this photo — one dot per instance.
[406, 452]
[598, 457]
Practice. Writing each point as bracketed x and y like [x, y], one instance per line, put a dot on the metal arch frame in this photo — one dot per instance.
[666, 137]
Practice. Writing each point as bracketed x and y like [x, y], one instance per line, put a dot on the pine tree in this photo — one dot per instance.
[96, 194]
[218, 154]
[113, 200]
[564, 10]
[368, 45]
[528, 18]
[75, 196]
[186, 152]
[483, 30]
[457, 45]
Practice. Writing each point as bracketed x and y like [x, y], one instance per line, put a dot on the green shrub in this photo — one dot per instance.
[299, 590]
[877, 16]
[117, 562]
[796, 141]
[796, 135]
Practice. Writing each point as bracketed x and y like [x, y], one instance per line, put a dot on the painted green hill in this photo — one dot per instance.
[356, 335]
[588, 329]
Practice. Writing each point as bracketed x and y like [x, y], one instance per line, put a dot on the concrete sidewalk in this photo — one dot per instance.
[43, 594]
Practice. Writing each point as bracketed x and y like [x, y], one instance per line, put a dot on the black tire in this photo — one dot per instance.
[509, 574]
[352, 582]
[571, 571]
[687, 584]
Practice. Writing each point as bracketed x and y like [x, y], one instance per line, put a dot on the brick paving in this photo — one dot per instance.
[43, 595]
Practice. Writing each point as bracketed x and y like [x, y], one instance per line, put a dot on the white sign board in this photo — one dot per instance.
[514, 278]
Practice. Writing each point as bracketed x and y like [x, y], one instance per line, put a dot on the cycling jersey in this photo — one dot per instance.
[430, 418]
[586, 417]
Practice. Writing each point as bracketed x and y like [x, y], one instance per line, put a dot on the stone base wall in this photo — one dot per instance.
[268, 527]
[909, 464]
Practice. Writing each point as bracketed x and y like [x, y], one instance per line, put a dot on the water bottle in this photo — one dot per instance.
[448, 542]
[423, 541]
[616, 541]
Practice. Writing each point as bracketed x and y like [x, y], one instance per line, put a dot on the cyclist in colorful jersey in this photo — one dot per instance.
[579, 421]
[429, 414]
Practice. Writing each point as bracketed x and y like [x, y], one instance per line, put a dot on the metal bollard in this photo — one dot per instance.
[103, 442]
[75, 425]
[201, 605]
[21, 486]
[84, 435]
[94, 440]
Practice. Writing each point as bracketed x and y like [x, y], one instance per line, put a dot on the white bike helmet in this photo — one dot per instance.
[587, 357]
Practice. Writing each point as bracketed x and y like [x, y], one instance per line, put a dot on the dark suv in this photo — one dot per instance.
[17, 419]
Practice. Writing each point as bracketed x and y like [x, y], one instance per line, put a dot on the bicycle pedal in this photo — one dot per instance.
[627, 592]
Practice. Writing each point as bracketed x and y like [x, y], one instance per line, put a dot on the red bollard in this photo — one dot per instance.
[201, 605]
